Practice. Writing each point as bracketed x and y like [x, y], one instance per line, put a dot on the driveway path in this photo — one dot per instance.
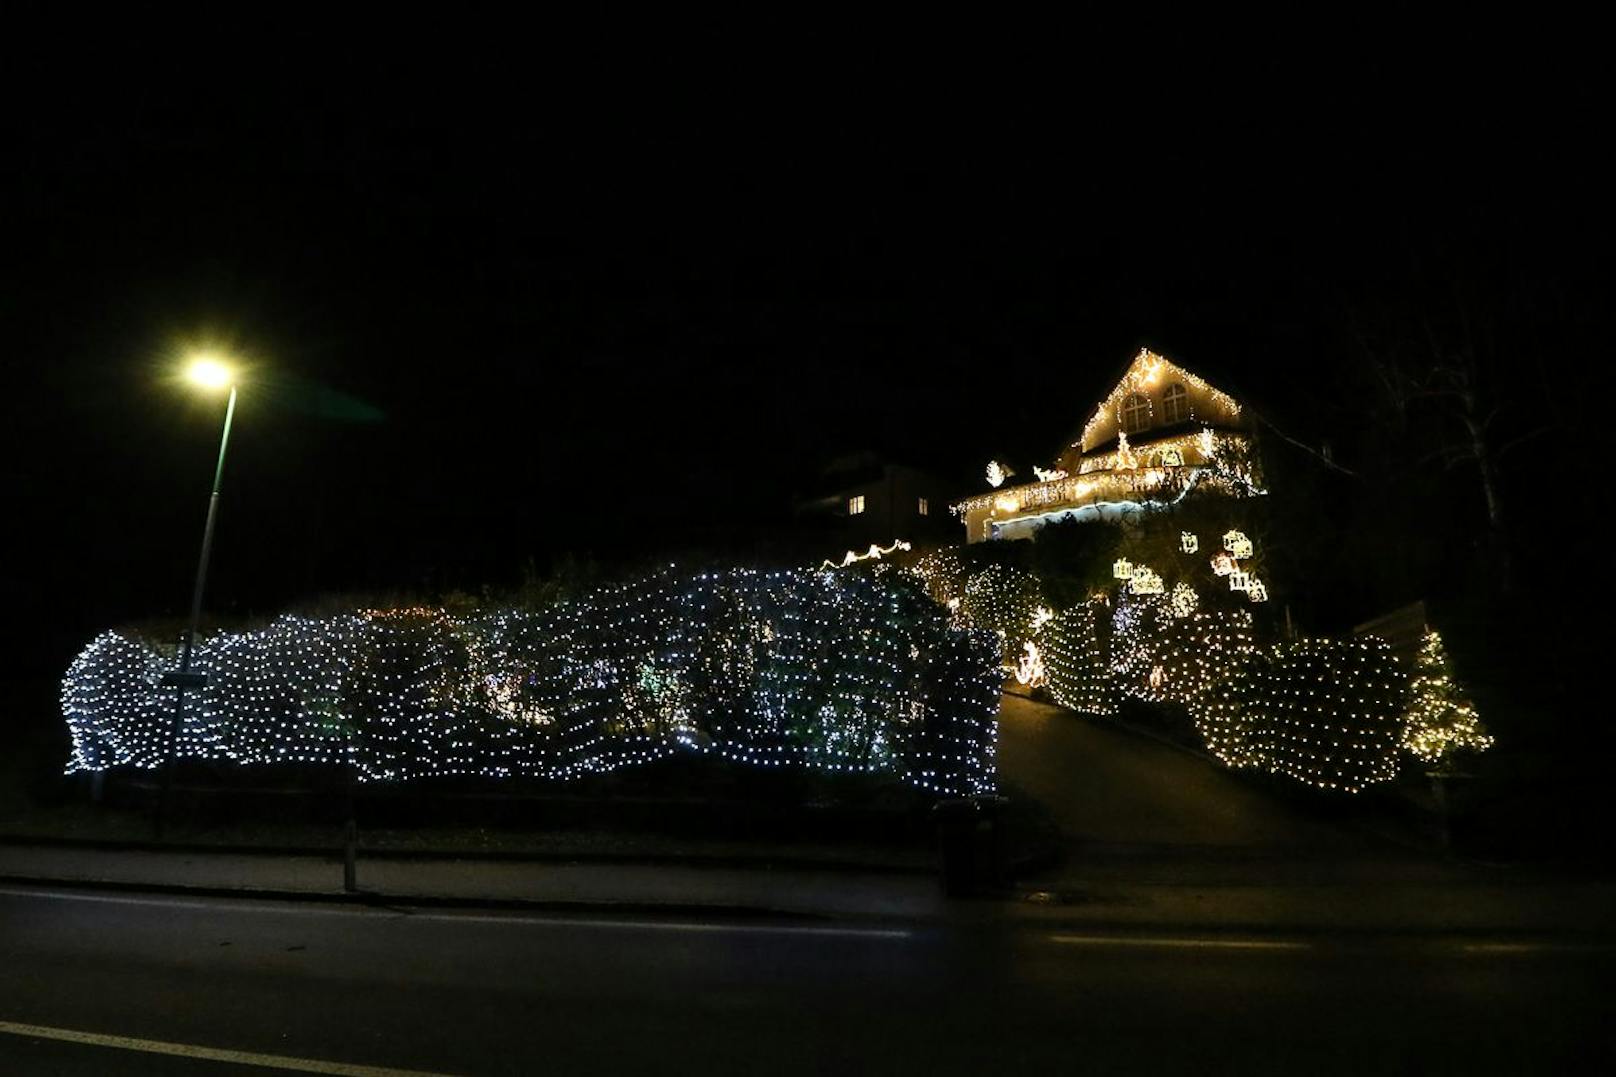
[1107, 787]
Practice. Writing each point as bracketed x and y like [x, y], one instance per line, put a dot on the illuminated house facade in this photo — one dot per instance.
[1161, 435]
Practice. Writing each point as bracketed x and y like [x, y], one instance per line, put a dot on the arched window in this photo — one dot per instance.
[1135, 413]
[1175, 404]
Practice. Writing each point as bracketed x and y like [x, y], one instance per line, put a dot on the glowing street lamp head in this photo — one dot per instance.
[209, 373]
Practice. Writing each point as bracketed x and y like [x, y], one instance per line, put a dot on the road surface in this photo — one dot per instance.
[188, 986]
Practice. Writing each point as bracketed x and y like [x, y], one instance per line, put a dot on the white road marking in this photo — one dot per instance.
[205, 1054]
[1182, 944]
[1536, 947]
[674, 925]
[395, 913]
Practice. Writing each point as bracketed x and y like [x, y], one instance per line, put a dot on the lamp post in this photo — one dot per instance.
[210, 374]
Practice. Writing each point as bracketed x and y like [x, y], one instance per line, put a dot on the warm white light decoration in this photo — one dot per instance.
[1183, 600]
[1072, 649]
[1003, 599]
[1126, 461]
[1115, 478]
[1238, 545]
[1052, 475]
[874, 553]
[1144, 582]
[1006, 503]
[1239, 580]
[1041, 616]
[823, 670]
[1172, 457]
[1122, 569]
[1030, 668]
[1147, 376]
[1324, 712]
[996, 473]
[1256, 591]
[1222, 564]
[1188, 541]
[1439, 719]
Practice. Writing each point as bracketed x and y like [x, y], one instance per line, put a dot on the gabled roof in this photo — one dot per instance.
[1144, 373]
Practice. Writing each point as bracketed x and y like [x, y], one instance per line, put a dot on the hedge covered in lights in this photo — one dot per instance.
[1074, 646]
[1003, 600]
[1325, 712]
[832, 671]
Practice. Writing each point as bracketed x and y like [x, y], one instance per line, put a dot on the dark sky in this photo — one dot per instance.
[507, 295]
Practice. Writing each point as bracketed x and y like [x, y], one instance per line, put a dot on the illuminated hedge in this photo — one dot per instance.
[844, 671]
[1073, 647]
[1324, 712]
[1164, 658]
[1003, 600]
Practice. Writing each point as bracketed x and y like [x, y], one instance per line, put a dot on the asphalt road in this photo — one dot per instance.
[468, 992]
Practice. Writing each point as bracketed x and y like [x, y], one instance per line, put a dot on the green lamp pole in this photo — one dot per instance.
[210, 374]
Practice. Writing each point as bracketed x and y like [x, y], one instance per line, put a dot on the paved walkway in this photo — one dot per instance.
[789, 890]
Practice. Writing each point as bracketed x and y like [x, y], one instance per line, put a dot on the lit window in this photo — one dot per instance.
[1175, 404]
[925, 509]
[855, 505]
[1135, 413]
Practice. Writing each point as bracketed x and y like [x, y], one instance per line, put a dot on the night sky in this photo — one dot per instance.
[506, 300]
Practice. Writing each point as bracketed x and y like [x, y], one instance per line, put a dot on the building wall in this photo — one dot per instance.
[891, 511]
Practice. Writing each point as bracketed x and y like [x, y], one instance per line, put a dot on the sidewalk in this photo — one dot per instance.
[1103, 894]
[560, 883]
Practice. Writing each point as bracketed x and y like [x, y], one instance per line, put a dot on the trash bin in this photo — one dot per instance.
[968, 844]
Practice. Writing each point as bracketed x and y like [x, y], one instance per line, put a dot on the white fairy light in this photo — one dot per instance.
[731, 664]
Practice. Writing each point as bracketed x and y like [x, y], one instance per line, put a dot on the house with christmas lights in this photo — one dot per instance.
[1161, 435]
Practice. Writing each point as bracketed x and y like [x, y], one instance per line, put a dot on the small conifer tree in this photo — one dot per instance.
[1439, 719]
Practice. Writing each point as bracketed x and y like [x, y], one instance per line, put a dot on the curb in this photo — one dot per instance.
[501, 856]
[374, 899]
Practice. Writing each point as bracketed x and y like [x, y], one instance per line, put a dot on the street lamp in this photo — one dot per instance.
[212, 374]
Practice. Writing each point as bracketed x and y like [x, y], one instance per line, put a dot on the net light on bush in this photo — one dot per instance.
[835, 671]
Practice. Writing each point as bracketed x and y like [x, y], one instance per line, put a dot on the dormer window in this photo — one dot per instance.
[1175, 404]
[1135, 413]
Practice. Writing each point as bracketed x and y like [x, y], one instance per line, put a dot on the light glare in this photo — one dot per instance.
[209, 373]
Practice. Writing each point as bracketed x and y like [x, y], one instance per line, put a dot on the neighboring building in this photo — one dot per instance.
[1160, 435]
[863, 500]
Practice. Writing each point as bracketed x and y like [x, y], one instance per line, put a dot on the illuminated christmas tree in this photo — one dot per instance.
[1439, 719]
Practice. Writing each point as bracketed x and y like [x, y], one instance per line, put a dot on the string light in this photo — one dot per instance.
[997, 473]
[874, 553]
[1238, 545]
[1144, 581]
[1324, 712]
[1439, 720]
[1030, 668]
[1145, 374]
[1188, 542]
[1073, 653]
